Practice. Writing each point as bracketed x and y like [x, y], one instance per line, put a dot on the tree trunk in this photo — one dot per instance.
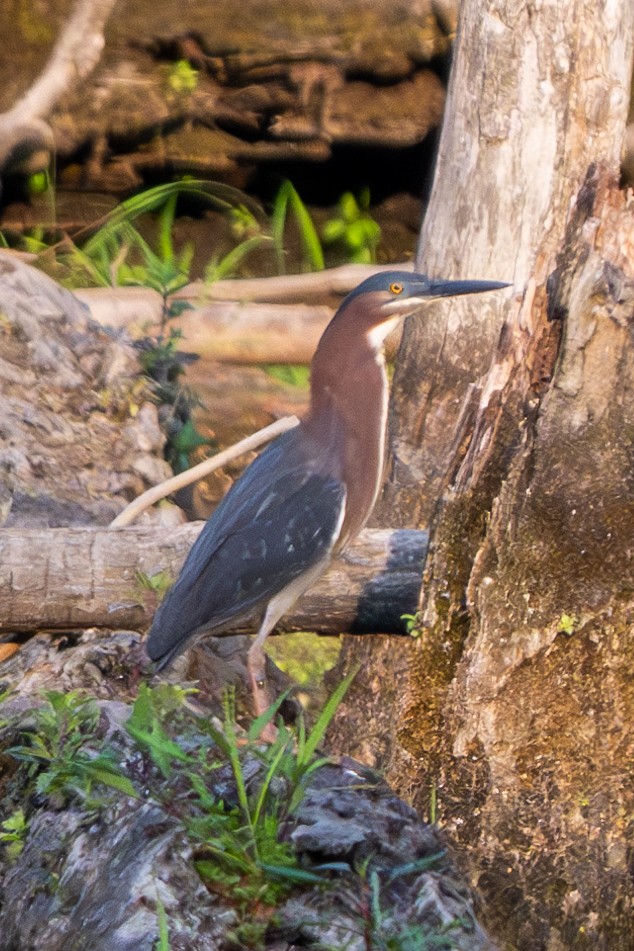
[513, 433]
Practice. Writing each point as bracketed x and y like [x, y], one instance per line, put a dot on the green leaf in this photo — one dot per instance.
[323, 721]
[348, 207]
[15, 824]
[114, 779]
[209, 870]
[14, 833]
[298, 876]
[567, 624]
[178, 307]
[356, 236]
[229, 264]
[166, 223]
[144, 726]
[417, 867]
[287, 197]
[362, 256]
[162, 943]
[295, 374]
[188, 438]
[333, 230]
[256, 727]
[280, 747]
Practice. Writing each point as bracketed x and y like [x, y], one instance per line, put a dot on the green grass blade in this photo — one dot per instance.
[298, 876]
[163, 941]
[278, 224]
[313, 253]
[236, 766]
[113, 779]
[265, 718]
[230, 263]
[287, 197]
[417, 867]
[316, 735]
[166, 224]
[278, 755]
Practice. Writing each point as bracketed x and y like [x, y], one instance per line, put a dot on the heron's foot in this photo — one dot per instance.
[260, 691]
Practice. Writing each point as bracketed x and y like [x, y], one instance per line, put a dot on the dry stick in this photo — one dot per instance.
[75, 54]
[283, 287]
[158, 492]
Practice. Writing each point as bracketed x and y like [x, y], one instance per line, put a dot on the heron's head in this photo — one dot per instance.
[381, 301]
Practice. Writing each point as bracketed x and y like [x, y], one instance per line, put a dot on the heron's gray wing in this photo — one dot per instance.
[278, 521]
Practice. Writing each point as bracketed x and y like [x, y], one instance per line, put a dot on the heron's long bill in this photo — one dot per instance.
[440, 288]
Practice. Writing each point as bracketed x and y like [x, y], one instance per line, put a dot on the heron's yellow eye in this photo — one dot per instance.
[396, 288]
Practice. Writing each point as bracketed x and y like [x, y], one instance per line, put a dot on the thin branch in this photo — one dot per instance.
[281, 287]
[158, 492]
[75, 55]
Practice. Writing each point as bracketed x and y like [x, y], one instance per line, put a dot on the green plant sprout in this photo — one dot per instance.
[413, 624]
[567, 624]
[353, 232]
[160, 582]
[146, 724]
[182, 78]
[287, 201]
[59, 754]
[38, 183]
[162, 942]
[13, 834]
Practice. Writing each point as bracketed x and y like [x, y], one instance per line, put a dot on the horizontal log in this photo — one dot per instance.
[288, 287]
[69, 578]
[249, 321]
[227, 331]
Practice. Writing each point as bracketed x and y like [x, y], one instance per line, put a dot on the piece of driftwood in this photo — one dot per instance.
[199, 471]
[288, 287]
[259, 320]
[227, 331]
[86, 577]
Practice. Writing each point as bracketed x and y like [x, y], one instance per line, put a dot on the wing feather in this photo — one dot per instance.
[279, 520]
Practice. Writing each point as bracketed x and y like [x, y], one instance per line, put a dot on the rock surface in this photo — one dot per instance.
[92, 874]
[79, 433]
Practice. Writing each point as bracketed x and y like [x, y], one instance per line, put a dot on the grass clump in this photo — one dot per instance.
[234, 797]
[238, 832]
[232, 793]
[61, 751]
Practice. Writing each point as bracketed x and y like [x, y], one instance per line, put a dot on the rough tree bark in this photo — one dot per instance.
[513, 430]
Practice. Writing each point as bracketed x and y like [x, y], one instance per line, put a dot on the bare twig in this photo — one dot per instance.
[74, 56]
[158, 492]
[336, 280]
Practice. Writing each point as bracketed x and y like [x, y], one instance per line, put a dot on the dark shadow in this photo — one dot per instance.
[396, 590]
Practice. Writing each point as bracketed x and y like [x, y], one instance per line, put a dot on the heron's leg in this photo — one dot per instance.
[256, 658]
[256, 667]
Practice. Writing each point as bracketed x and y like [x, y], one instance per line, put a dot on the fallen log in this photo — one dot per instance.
[257, 320]
[69, 578]
[227, 331]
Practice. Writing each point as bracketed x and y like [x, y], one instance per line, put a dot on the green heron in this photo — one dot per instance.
[310, 492]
